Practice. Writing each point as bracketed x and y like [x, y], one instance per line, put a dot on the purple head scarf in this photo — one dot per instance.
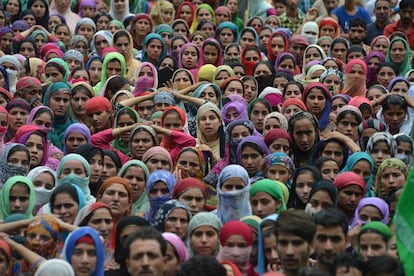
[78, 127]
[20, 25]
[239, 104]
[372, 71]
[256, 141]
[376, 202]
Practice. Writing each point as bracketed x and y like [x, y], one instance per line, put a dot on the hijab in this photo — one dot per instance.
[376, 202]
[323, 120]
[202, 219]
[119, 143]
[405, 65]
[23, 134]
[389, 163]
[5, 196]
[42, 194]
[166, 209]
[81, 129]
[8, 170]
[272, 188]
[355, 85]
[351, 162]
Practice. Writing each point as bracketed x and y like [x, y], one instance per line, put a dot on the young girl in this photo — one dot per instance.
[381, 146]
[303, 180]
[362, 164]
[251, 153]
[391, 176]
[211, 52]
[317, 99]
[17, 196]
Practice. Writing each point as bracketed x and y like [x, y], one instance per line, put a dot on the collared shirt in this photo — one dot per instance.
[394, 27]
[373, 30]
[285, 22]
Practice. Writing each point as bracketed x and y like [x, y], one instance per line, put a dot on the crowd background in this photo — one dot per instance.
[206, 138]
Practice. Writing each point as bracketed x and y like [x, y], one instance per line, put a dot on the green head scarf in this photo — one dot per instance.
[61, 65]
[272, 188]
[376, 227]
[5, 196]
[119, 143]
[405, 65]
[389, 163]
[137, 163]
[108, 58]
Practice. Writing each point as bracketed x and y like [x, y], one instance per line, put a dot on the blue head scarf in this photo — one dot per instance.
[147, 40]
[355, 158]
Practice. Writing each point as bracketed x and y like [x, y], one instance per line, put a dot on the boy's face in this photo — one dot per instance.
[293, 252]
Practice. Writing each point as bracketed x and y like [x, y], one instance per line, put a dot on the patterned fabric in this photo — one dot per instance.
[286, 23]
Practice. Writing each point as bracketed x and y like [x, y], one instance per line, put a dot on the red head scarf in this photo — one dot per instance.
[349, 178]
[270, 53]
[236, 227]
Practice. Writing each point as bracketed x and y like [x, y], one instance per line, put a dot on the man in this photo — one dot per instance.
[99, 110]
[357, 33]
[350, 10]
[202, 266]
[330, 237]
[325, 7]
[146, 252]
[405, 24]
[382, 11]
[292, 18]
[294, 230]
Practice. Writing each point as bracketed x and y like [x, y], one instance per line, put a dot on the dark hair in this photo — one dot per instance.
[80, 88]
[394, 100]
[17, 46]
[265, 62]
[237, 64]
[204, 22]
[346, 259]
[388, 64]
[17, 148]
[121, 33]
[341, 115]
[254, 146]
[297, 223]
[358, 22]
[404, 139]
[293, 82]
[44, 110]
[332, 217]
[62, 25]
[283, 75]
[406, 4]
[356, 49]
[65, 188]
[383, 265]
[251, 48]
[115, 84]
[202, 266]
[101, 14]
[86, 220]
[293, 198]
[322, 160]
[145, 233]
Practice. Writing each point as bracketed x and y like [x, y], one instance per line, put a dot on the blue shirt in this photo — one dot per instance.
[344, 18]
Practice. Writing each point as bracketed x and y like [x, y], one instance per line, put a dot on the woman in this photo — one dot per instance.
[81, 93]
[85, 240]
[173, 216]
[373, 240]
[123, 37]
[322, 195]
[395, 114]
[211, 52]
[328, 166]
[391, 176]
[157, 158]
[362, 164]
[136, 173]
[277, 44]
[57, 97]
[17, 197]
[176, 253]
[304, 179]
[380, 43]
[351, 189]
[163, 12]
[371, 209]
[279, 167]
[203, 12]
[17, 111]
[14, 160]
[266, 198]
[113, 64]
[355, 78]
[373, 60]
[192, 192]
[152, 41]
[203, 234]
[258, 111]
[317, 99]
[141, 26]
[75, 136]
[142, 138]
[381, 146]
[44, 181]
[186, 12]
[233, 192]
[126, 116]
[251, 153]
[402, 60]
[159, 189]
[232, 233]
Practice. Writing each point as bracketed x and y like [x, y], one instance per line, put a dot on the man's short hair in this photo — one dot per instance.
[406, 4]
[296, 222]
[145, 233]
[346, 259]
[202, 266]
[358, 22]
[383, 264]
[332, 217]
[388, 1]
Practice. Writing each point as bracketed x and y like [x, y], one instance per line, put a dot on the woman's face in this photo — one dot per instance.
[177, 222]
[140, 143]
[304, 134]
[117, 198]
[88, 11]
[167, 15]
[264, 204]
[331, 64]
[53, 74]
[95, 70]
[102, 23]
[13, 7]
[43, 120]
[334, 150]
[63, 34]
[120, 5]
[222, 16]
[278, 45]
[400, 88]
[394, 116]
[304, 183]
[84, 258]
[194, 199]
[101, 221]
[6, 42]
[385, 75]
[226, 37]
[348, 126]
[113, 27]
[185, 14]
[333, 82]
[234, 87]
[280, 145]
[392, 178]
[203, 14]
[327, 31]
[158, 162]
[321, 200]
[316, 102]
[73, 166]
[209, 94]
[372, 245]
[209, 124]
[54, 20]
[65, 207]
[19, 198]
[204, 240]
[233, 184]
[100, 44]
[279, 173]
[362, 168]
[87, 31]
[123, 121]
[250, 89]
[136, 178]
[182, 80]
[38, 8]
[357, 71]
[40, 41]
[257, 115]
[349, 197]
[189, 58]
[329, 170]
[373, 94]
[247, 38]
[380, 152]
[339, 51]
[252, 160]
[142, 27]
[39, 240]
[292, 91]
[312, 54]
[35, 144]
[172, 263]
[398, 52]
[189, 161]
[287, 64]
[30, 20]
[262, 70]
[60, 102]
[45, 180]
[381, 45]
[27, 49]
[159, 189]
[369, 213]
[272, 21]
[17, 118]
[210, 54]
[96, 167]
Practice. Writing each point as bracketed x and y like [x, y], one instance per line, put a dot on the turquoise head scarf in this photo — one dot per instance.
[355, 158]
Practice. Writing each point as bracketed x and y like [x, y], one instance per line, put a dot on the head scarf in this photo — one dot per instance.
[119, 143]
[158, 9]
[376, 202]
[177, 244]
[233, 205]
[61, 65]
[52, 265]
[157, 150]
[371, 70]
[251, 140]
[104, 77]
[272, 95]
[80, 128]
[165, 210]
[147, 40]
[8, 170]
[293, 101]
[283, 56]
[328, 21]
[272, 188]
[5, 196]
[178, 13]
[279, 116]
[42, 194]
[326, 186]
[75, 238]
[346, 179]
[404, 66]
[279, 158]
[107, 35]
[313, 28]
[23, 134]
[116, 180]
[275, 134]
[239, 104]
[195, 22]
[377, 227]
[155, 203]
[389, 163]
[210, 41]
[189, 183]
[382, 137]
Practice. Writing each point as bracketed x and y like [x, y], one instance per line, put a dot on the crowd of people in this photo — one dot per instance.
[200, 138]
